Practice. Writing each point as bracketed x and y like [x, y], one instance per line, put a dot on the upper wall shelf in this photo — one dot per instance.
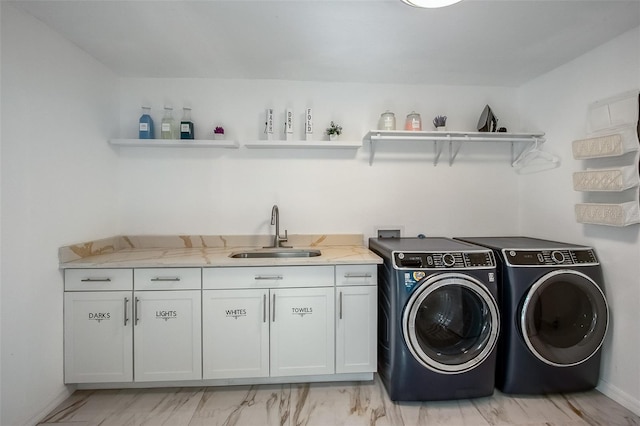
[339, 144]
[455, 140]
[175, 143]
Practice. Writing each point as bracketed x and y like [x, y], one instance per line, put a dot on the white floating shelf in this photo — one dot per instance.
[175, 143]
[437, 137]
[339, 144]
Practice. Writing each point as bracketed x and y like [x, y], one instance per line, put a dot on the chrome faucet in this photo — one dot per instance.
[275, 220]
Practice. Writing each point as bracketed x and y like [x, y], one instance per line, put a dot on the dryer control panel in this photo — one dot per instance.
[550, 257]
[444, 260]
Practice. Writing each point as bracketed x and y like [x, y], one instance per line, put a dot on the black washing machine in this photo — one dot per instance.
[554, 315]
[438, 318]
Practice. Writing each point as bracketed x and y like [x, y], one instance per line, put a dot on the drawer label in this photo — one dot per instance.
[301, 311]
[166, 315]
[235, 313]
[99, 316]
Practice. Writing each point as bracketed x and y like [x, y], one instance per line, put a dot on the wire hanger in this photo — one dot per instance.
[535, 160]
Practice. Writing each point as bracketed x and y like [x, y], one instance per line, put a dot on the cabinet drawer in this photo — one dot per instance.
[167, 279]
[356, 275]
[268, 277]
[98, 279]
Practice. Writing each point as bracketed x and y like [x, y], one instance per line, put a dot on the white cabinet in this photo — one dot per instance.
[98, 333]
[148, 325]
[356, 318]
[167, 335]
[112, 329]
[302, 331]
[235, 328]
[268, 321]
[98, 337]
[167, 324]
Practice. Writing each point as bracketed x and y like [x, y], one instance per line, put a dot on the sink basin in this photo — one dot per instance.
[276, 253]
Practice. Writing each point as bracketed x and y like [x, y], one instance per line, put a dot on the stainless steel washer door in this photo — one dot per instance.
[564, 318]
[450, 323]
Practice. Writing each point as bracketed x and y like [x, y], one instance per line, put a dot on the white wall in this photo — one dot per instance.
[318, 191]
[61, 182]
[57, 188]
[557, 102]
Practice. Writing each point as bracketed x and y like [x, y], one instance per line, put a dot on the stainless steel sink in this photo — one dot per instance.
[275, 253]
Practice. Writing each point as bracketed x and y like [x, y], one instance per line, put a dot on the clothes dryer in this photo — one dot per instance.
[438, 318]
[555, 315]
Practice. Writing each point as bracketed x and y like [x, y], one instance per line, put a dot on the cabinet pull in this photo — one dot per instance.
[273, 306]
[126, 318]
[165, 279]
[357, 275]
[96, 280]
[264, 307]
[268, 277]
[340, 305]
[136, 309]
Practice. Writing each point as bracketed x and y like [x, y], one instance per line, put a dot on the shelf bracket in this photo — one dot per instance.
[437, 150]
[527, 146]
[372, 150]
[454, 149]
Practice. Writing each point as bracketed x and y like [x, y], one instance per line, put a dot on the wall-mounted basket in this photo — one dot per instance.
[611, 154]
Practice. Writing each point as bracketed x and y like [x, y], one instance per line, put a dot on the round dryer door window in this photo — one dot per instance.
[451, 323]
[564, 318]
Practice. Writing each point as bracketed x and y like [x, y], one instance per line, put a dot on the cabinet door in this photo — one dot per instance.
[167, 335]
[302, 331]
[98, 337]
[235, 333]
[356, 329]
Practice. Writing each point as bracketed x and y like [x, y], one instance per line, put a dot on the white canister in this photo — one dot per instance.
[387, 121]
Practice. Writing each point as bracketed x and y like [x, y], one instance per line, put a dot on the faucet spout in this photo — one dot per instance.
[275, 220]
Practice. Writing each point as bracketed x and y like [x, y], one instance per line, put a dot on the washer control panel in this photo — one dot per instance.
[550, 257]
[444, 260]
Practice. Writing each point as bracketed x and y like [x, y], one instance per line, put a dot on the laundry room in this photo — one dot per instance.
[510, 80]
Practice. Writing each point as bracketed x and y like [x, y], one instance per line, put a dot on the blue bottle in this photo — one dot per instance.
[146, 124]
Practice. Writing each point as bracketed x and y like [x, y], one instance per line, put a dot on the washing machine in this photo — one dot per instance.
[438, 318]
[554, 315]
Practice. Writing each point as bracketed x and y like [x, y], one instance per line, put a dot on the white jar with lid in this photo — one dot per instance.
[414, 122]
[387, 121]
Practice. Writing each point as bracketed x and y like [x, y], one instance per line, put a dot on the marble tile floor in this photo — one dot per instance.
[326, 404]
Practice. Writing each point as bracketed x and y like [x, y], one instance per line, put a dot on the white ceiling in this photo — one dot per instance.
[475, 42]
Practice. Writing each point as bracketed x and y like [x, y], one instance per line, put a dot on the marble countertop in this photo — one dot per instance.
[212, 251]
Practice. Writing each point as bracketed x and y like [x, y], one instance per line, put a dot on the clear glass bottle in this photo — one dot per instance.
[186, 125]
[387, 121]
[169, 127]
[414, 122]
[145, 125]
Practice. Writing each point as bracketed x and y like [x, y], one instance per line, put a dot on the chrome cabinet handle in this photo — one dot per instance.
[96, 280]
[273, 306]
[356, 275]
[137, 304]
[340, 305]
[126, 318]
[264, 307]
[165, 279]
[268, 277]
